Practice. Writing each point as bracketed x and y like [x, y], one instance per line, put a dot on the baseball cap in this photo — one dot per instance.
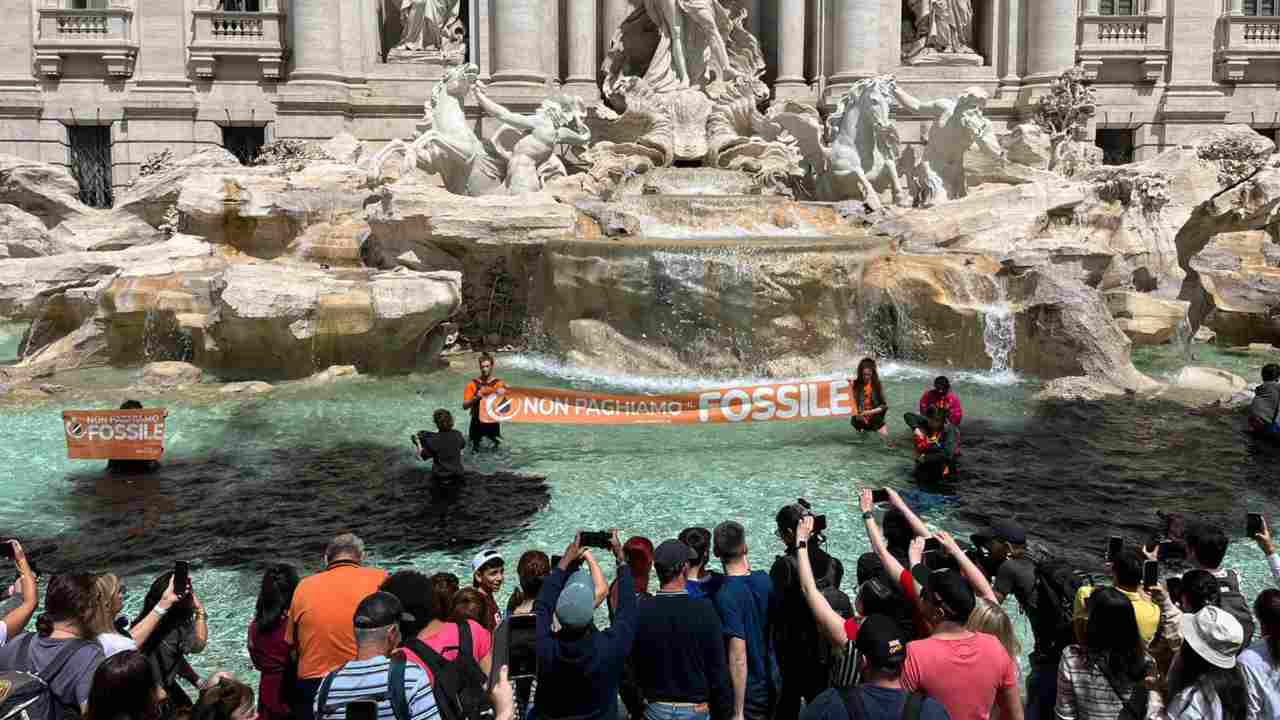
[577, 602]
[673, 553]
[880, 641]
[947, 589]
[484, 558]
[379, 610]
[1215, 635]
[1006, 530]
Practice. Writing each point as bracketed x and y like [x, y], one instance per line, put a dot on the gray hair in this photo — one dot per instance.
[373, 636]
[345, 545]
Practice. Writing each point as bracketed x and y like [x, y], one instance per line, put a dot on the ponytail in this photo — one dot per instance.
[44, 625]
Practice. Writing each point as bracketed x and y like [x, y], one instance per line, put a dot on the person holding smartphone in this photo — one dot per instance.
[1126, 575]
[15, 622]
[175, 625]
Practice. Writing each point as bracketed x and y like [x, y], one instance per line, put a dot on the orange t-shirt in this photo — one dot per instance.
[473, 390]
[321, 617]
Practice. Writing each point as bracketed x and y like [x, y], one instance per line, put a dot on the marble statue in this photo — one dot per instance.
[430, 30]
[519, 158]
[670, 64]
[937, 173]
[532, 160]
[855, 156]
[941, 34]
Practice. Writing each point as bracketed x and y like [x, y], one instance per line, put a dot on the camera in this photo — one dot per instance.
[806, 510]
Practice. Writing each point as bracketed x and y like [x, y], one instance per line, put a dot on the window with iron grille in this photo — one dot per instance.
[1117, 145]
[88, 4]
[1118, 7]
[244, 142]
[240, 5]
[91, 163]
[1262, 7]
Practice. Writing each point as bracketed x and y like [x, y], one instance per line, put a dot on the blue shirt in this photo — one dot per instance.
[367, 680]
[579, 674]
[743, 604]
[880, 704]
[704, 588]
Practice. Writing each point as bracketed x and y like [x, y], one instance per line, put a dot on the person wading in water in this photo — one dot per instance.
[477, 391]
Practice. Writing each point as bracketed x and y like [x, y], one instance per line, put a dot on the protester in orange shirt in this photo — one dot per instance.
[477, 391]
[868, 399]
[319, 628]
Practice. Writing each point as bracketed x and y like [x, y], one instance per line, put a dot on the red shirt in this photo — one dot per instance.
[908, 583]
[270, 655]
[964, 675]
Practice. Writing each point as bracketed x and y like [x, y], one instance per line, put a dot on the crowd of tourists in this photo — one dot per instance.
[695, 629]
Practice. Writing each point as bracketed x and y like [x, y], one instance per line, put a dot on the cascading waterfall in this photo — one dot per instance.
[999, 334]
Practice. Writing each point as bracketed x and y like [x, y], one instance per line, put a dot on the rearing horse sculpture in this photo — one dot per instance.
[862, 159]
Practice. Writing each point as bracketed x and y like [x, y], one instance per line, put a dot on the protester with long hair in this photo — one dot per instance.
[125, 687]
[1206, 682]
[1102, 679]
[65, 625]
[870, 406]
[181, 630]
[268, 647]
[1261, 661]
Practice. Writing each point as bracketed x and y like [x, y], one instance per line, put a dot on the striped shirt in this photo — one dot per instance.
[1085, 693]
[367, 680]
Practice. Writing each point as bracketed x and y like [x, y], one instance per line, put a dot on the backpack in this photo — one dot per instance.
[1057, 584]
[856, 710]
[460, 685]
[1234, 602]
[28, 695]
[395, 691]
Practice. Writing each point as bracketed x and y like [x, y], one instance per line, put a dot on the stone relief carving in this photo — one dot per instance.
[430, 31]
[670, 64]
[855, 157]
[519, 158]
[938, 32]
[936, 173]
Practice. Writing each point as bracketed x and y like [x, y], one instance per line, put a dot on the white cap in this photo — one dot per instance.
[1215, 635]
[483, 558]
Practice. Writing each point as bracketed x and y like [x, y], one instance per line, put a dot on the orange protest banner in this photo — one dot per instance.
[114, 434]
[803, 400]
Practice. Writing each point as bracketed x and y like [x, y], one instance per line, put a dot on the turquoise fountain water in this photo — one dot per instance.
[232, 499]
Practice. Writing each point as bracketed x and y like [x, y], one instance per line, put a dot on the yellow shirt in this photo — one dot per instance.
[1146, 612]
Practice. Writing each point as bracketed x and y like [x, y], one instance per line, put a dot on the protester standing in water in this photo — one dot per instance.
[868, 399]
[443, 448]
[477, 390]
[132, 467]
[1264, 412]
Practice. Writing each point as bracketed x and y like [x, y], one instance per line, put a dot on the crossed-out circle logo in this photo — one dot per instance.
[500, 407]
[75, 429]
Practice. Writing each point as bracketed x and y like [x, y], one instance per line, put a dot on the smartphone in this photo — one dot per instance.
[1150, 573]
[6, 549]
[932, 545]
[362, 710]
[880, 496]
[1253, 525]
[1114, 546]
[819, 523]
[930, 559]
[594, 539]
[181, 577]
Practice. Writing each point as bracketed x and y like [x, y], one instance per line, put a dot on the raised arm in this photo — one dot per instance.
[981, 586]
[1265, 544]
[502, 114]
[917, 525]
[830, 624]
[598, 580]
[141, 631]
[891, 564]
[915, 105]
[16, 621]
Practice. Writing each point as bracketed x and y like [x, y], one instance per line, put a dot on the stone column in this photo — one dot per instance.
[1051, 38]
[1091, 7]
[584, 62]
[314, 40]
[790, 16]
[517, 42]
[551, 40]
[855, 42]
[615, 11]
[1237, 7]
[1012, 43]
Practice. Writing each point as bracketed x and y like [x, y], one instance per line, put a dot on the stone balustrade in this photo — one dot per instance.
[105, 33]
[1250, 39]
[1117, 39]
[220, 36]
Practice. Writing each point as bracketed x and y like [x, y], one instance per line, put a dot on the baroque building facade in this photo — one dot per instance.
[98, 85]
